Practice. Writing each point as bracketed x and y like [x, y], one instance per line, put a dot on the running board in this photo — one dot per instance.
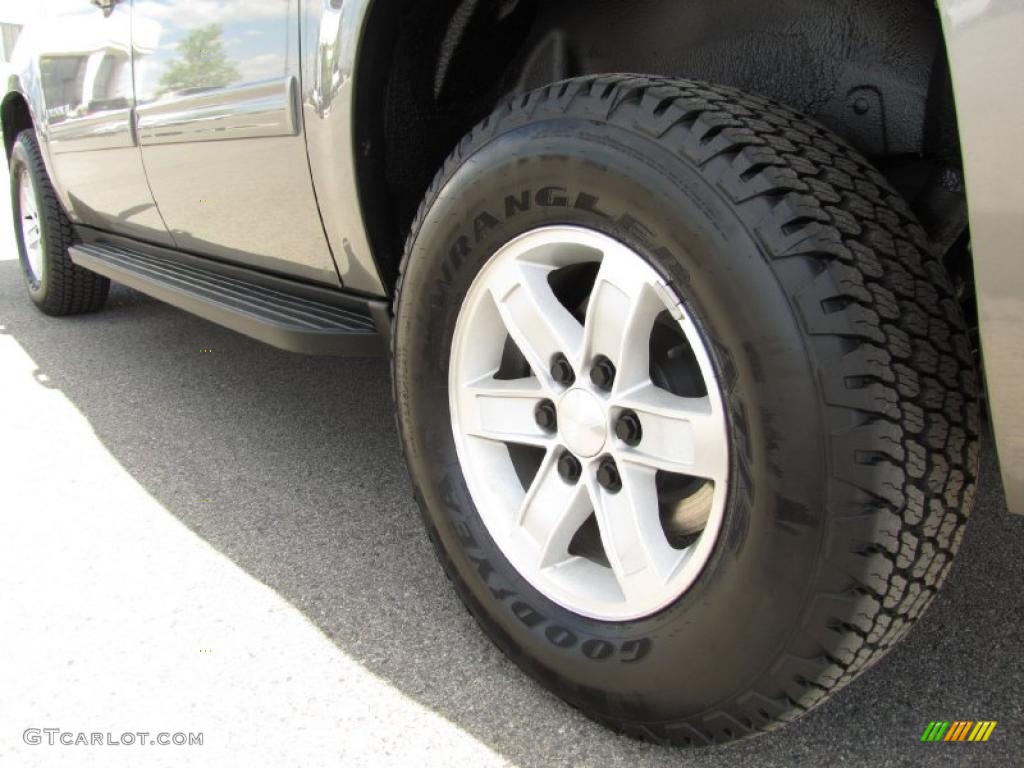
[272, 314]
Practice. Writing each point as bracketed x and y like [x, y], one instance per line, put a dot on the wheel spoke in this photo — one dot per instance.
[553, 510]
[680, 434]
[503, 411]
[621, 312]
[634, 541]
[534, 317]
[32, 232]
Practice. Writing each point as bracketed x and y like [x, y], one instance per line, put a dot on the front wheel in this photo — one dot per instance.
[687, 402]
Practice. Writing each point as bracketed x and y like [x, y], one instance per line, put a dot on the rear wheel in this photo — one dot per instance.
[688, 404]
[43, 234]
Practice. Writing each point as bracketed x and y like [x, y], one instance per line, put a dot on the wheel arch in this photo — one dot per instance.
[15, 116]
[873, 72]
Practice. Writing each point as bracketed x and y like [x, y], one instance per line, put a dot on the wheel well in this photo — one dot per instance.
[874, 72]
[14, 117]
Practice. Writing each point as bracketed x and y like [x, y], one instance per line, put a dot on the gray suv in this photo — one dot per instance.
[683, 302]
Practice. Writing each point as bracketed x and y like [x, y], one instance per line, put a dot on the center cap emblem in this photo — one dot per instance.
[581, 421]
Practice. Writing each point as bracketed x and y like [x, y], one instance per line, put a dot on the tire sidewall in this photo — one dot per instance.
[728, 628]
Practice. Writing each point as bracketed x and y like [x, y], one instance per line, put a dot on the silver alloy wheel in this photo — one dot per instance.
[636, 563]
[30, 225]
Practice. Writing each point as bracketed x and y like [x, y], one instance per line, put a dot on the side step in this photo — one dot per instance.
[321, 322]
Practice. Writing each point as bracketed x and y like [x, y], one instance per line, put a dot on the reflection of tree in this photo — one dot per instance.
[201, 62]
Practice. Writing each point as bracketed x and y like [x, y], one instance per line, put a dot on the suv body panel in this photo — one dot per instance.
[218, 130]
[331, 34]
[982, 44]
[983, 40]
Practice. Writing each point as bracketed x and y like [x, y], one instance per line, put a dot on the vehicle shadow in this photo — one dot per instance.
[290, 466]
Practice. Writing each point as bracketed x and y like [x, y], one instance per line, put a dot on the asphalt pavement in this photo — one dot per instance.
[199, 533]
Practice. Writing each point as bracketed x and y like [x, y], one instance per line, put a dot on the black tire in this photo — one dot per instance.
[62, 288]
[848, 381]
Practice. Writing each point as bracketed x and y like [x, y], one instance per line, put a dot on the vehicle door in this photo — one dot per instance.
[85, 70]
[217, 83]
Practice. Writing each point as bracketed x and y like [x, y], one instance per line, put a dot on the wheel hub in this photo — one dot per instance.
[582, 423]
[609, 388]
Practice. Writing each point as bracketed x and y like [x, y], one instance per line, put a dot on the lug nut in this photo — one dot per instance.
[561, 371]
[628, 428]
[569, 468]
[603, 373]
[608, 475]
[546, 416]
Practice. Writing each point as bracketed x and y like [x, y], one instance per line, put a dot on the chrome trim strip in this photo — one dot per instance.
[102, 130]
[252, 110]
